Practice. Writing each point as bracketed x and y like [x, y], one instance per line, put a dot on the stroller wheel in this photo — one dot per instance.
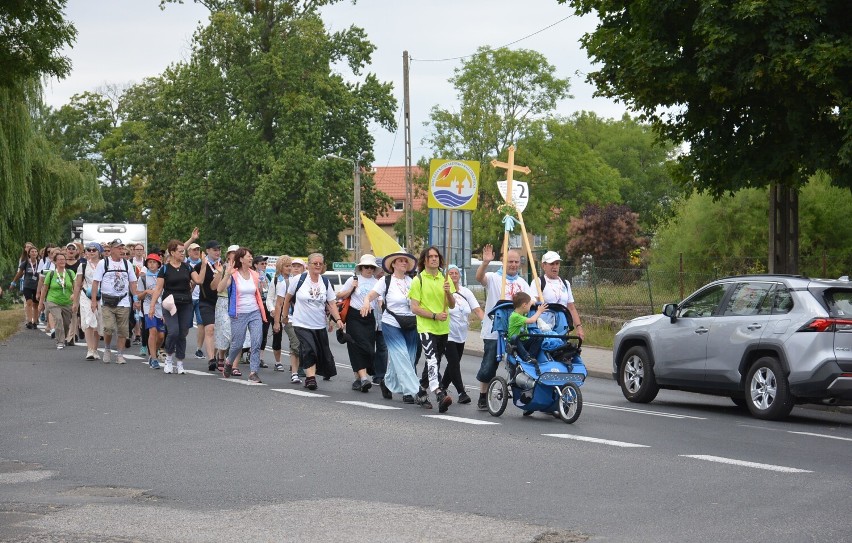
[497, 396]
[528, 413]
[570, 403]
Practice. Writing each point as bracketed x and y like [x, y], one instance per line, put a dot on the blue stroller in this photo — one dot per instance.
[551, 383]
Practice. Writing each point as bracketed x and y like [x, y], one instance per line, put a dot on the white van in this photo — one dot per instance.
[104, 233]
[338, 278]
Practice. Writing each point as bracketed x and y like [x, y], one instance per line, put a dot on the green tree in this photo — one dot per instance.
[32, 34]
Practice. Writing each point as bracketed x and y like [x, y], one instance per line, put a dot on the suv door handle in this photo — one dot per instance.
[754, 326]
[702, 330]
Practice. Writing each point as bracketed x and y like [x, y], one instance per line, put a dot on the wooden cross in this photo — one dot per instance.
[510, 199]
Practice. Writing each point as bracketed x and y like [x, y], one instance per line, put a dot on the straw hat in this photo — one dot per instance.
[389, 259]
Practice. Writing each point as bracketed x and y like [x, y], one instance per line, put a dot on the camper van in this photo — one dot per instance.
[104, 233]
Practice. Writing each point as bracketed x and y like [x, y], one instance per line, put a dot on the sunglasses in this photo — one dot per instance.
[91, 250]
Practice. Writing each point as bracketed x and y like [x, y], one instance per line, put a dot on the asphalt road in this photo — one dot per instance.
[97, 452]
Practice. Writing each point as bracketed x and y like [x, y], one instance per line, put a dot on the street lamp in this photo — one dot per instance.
[356, 196]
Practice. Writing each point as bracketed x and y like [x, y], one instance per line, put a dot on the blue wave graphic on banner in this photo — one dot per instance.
[449, 198]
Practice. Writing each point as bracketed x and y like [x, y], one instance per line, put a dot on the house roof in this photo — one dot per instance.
[391, 181]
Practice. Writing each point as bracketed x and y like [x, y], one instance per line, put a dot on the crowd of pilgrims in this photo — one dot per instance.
[392, 312]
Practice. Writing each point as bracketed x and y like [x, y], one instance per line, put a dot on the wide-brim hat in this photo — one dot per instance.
[389, 259]
[366, 260]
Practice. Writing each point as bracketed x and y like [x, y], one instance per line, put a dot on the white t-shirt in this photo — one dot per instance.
[365, 285]
[459, 315]
[396, 298]
[246, 302]
[311, 301]
[45, 266]
[556, 291]
[117, 282]
[493, 282]
[196, 290]
[148, 282]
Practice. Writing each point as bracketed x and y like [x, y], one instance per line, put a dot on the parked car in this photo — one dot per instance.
[766, 341]
[338, 278]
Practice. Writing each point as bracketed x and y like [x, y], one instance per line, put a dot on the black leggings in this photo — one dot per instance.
[265, 329]
[452, 373]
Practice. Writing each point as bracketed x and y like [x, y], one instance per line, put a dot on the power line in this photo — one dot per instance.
[507, 45]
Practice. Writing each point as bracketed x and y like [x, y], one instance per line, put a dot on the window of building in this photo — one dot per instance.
[350, 242]
[399, 205]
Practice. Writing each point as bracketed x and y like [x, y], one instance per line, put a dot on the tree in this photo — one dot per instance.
[760, 91]
[503, 95]
[32, 34]
[607, 233]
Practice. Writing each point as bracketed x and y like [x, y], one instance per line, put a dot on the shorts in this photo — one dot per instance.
[116, 320]
[30, 294]
[155, 322]
[207, 311]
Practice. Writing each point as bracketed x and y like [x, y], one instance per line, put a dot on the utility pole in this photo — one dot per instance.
[357, 211]
[409, 189]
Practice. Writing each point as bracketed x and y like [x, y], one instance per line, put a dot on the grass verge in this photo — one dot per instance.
[10, 322]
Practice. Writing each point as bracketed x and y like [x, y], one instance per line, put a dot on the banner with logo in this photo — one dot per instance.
[453, 184]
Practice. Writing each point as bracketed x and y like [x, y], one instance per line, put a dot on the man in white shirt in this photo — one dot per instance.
[493, 283]
[115, 280]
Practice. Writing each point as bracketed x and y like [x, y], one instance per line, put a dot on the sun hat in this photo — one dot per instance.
[233, 248]
[366, 260]
[298, 262]
[95, 245]
[193, 246]
[389, 259]
[155, 257]
[550, 257]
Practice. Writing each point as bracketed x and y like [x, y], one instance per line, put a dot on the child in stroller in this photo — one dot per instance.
[527, 347]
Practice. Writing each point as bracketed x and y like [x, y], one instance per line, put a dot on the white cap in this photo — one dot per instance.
[299, 261]
[233, 248]
[550, 257]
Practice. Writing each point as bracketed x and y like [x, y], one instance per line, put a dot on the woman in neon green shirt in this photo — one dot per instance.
[56, 297]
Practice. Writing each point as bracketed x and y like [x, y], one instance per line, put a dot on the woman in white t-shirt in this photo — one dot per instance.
[312, 296]
[466, 303]
[361, 329]
[400, 376]
[90, 321]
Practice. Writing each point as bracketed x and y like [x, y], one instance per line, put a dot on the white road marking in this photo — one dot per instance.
[460, 419]
[820, 435]
[641, 411]
[241, 381]
[598, 440]
[202, 373]
[743, 463]
[370, 405]
[295, 392]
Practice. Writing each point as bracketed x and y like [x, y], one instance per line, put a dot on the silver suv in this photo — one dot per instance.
[766, 341]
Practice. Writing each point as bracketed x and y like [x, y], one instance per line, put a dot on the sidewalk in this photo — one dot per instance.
[598, 361]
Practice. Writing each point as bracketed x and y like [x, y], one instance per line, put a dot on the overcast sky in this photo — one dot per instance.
[123, 41]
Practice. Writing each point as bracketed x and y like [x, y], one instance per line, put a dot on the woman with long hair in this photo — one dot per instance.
[312, 296]
[89, 320]
[361, 329]
[56, 297]
[28, 269]
[174, 280]
[245, 307]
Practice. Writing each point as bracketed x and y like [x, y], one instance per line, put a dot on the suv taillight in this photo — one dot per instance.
[827, 325]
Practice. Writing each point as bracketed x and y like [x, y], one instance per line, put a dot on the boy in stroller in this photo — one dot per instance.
[527, 347]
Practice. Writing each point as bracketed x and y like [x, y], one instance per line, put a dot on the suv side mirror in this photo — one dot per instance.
[670, 311]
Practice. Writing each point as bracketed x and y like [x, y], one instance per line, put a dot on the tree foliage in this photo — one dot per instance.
[760, 90]
[32, 34]
[607, 233]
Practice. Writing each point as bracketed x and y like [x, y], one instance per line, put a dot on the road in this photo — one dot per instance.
[97, 452]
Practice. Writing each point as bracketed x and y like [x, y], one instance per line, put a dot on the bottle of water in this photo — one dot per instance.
[138, 315]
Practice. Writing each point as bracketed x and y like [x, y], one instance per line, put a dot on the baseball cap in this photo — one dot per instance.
[550, 257]
[212, 244]
[233, 248]
[193, 246]
[258, 259]
[298, 261]
[116, 243]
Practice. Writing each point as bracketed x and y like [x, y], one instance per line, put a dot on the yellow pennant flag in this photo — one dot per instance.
[382, 243]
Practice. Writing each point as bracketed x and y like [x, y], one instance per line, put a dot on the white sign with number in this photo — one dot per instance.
[520, 193]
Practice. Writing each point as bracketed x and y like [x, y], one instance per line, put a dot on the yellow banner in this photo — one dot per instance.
[453, 184]
[380, 241]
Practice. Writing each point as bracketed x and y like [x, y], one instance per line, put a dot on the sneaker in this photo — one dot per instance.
[444, 401]
[464, 398]
[180, 370]
[366, 384]
[279, 367]
[69, 342]
[199, 354]
[356, 384]
[482, 404]
[60, 346]
[137, 340]
[294, 379]
[106, 356]
[120, 359]
[311, 383]
[386, 393]
[211, 365]
[423, 401]
[29, 325]
[169, 368]
[143, 351]
[154, 363]
[254, 378]
[408, 398]
[90, 355]
[52, 334]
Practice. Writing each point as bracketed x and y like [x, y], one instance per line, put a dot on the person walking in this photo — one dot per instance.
[556, 290]
[115, 283]
[245, 308]
[155, 326]
[28, 270]
[287, 265]
[193, 258]
[222, 325]
[312, 295]
[360, 329]
[259, 266]
[398, 326]
[174, 284]
[90, 320]
[56, 297]
[431, 298]
[207, 296]
[282, 272]
[466, 303]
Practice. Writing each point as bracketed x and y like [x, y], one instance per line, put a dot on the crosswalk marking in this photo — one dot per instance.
[369, 405]
[242, 382]
[641, 411]
[461, 419]
[296, 392]
[744, 463]
[598, 440]
[202, 373]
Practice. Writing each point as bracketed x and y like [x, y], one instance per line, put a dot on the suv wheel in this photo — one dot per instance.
[636, 376]
[767, 391]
